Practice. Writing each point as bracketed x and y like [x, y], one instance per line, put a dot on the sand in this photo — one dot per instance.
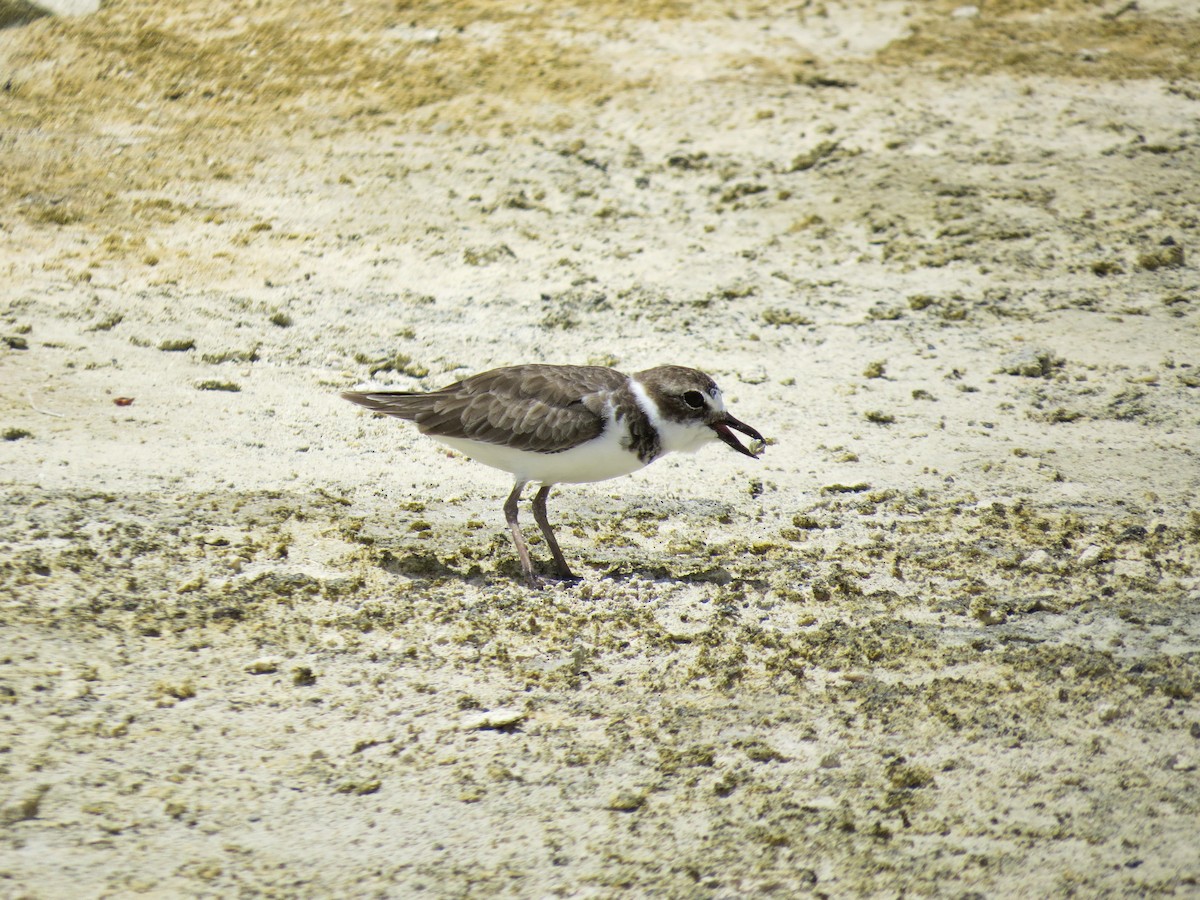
[941, 640]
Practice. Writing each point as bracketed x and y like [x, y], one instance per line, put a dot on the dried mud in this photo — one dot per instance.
[942, 640]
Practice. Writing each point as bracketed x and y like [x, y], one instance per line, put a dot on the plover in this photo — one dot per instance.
[567, 425]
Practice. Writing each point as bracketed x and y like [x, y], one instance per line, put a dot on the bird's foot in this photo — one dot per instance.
[543, 581]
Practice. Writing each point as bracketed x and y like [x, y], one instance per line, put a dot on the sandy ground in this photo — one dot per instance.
[940, 641]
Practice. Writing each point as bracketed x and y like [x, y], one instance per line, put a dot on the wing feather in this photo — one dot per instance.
[542, 408]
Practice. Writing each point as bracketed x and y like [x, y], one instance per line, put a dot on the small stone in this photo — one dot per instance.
[265, 665]
[494, 719]
[626, 800]
[1039, 561]
[754, 375]
[1090, 555]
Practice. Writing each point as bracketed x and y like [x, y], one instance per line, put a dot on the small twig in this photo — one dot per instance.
[44, 412]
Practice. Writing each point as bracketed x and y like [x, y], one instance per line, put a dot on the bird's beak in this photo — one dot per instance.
[724, 430]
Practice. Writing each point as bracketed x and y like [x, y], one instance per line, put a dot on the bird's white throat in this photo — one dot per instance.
[674, 437]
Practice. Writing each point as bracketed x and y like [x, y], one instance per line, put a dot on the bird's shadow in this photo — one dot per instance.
[428, 566]
[717, 575]
[416, 565]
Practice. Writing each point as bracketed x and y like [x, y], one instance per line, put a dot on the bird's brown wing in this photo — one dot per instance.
[534, 407]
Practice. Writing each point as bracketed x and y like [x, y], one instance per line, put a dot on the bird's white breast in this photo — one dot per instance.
[596, 460]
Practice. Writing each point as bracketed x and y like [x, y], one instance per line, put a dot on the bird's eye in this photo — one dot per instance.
[694, 399]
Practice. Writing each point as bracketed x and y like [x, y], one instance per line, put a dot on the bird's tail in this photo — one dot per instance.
[401, 404]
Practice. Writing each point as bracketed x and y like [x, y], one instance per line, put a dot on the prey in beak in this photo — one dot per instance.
[725, 428]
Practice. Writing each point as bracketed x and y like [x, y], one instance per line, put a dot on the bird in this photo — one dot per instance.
[567, 424]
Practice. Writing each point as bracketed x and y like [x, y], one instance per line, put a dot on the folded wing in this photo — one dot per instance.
[543, 408]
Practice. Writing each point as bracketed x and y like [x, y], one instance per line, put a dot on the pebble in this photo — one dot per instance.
[503, 717]
[1039, 561]
[626, 800]
[753, 375]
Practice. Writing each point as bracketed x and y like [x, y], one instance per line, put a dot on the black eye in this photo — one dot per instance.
[694, 399]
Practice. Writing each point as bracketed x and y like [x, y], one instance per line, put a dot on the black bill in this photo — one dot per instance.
[724, 430]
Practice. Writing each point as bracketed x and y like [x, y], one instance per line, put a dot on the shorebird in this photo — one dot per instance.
[567, 425]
